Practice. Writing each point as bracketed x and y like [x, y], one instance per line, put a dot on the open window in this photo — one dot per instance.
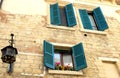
[64, 59]
[62, 15]
[93, 20]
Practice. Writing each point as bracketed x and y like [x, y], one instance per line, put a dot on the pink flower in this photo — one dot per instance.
[57, 63]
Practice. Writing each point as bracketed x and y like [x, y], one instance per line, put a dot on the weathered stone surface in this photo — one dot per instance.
[31, 30]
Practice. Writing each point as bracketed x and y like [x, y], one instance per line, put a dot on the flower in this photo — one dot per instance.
[58, 66]
[57, 63]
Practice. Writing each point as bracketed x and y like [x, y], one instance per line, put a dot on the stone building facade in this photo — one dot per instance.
[30, 22]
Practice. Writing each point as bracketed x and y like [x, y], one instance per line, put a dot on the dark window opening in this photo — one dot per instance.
[63, 16]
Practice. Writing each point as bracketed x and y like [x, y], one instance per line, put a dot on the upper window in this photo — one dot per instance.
[93, 20]
[62, 59]
[62, 16]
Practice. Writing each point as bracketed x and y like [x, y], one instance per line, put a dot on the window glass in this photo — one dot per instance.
[92, 22]
[63, 59]
[57, 59]
[67, 60]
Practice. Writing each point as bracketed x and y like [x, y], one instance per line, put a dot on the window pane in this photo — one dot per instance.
[92, 22]
[57, 58]
[67, 60]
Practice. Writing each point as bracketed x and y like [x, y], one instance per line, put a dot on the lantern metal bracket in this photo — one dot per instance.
[10, 66]
[11, 41]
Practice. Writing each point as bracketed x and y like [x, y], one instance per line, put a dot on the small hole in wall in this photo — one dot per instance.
[85, 35]
[34, 41]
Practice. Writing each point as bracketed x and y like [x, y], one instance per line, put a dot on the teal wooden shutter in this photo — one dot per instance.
[55, 14]
[100, 19]
[85, 19]
[70, 15]
[49, 55]
[79, 57]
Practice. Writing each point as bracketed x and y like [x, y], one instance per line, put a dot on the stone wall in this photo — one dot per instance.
[118, 2]
[31, 30]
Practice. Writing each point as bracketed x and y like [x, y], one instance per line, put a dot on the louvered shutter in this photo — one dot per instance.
[85, 19]
[79, 57]
[100, 19]
[70, 15]
[49, 55]
[55, 14]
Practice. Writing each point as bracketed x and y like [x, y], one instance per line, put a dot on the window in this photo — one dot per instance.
[63, 60]
[74, 57]
[62, 16]
[94, 20]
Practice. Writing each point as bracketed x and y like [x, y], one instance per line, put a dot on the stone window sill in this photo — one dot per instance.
[61, 27]
[94, 32]
[66, 72]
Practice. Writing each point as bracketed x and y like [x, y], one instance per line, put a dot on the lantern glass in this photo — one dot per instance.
[9, 54]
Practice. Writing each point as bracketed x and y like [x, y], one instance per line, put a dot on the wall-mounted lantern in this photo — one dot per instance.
[9, 54]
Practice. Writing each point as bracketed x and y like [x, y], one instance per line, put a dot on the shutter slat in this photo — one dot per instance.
[100, 19]
[71, 20]
[79, 57]
[49, 55]
[85, 19]
[55, 14]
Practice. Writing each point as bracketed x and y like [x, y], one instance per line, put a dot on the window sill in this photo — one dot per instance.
[61, 27]
[94, 31]
[65, 72]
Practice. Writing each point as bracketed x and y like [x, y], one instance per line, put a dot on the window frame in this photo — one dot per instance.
[82, 29]
[49, 25]
[52, 71]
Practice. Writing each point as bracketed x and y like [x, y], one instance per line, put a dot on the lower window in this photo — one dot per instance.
[63, 60]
